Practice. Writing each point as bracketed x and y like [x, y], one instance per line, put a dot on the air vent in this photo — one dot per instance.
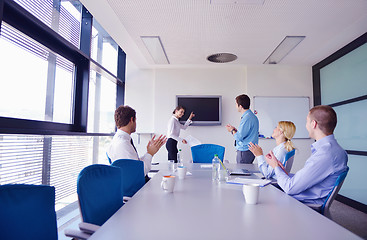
[222, 57]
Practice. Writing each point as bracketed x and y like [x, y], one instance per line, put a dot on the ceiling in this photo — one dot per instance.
[191, 30]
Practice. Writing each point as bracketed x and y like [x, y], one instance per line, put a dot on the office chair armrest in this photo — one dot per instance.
[126, 199]
[316, 207]
[88, 228]
[76, 234]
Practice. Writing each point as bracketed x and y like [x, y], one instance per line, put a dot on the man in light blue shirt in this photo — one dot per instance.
[248, 130]
[315, 180]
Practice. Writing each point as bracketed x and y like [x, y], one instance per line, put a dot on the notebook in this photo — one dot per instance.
[239, 171]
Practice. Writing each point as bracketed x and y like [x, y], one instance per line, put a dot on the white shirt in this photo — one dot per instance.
[121, 148]
[174, 127]
[268, 172]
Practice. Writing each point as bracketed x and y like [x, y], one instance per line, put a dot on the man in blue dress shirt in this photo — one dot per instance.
[315, 180]
[248, 130]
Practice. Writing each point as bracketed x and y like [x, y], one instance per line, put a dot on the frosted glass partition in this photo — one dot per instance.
[351, 130]
[354, 186]
[345, 78]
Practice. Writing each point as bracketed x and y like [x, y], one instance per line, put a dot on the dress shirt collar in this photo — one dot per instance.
[245, 113]
[175, 117]
[322, 142]
[123, 134]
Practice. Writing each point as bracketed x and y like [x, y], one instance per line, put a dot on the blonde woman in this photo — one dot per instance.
[282, 134]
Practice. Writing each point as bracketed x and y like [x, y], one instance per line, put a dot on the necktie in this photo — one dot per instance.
[132, 143]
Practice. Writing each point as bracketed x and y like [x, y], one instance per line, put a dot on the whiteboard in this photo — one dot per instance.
[271, 110]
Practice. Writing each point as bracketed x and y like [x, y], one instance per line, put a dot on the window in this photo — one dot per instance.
[340, 81]
[36, 83]
[61, 16]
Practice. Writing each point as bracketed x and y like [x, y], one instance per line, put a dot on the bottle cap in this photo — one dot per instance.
[215, 155]
[179, 149]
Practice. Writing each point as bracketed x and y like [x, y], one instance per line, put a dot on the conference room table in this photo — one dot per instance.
[201, 209]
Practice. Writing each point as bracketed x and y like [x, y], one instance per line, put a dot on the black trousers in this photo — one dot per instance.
[171, 146]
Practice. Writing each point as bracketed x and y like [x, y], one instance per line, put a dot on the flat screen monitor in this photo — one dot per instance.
[207, 109]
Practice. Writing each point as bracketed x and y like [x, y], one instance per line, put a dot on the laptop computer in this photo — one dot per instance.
[239, 172]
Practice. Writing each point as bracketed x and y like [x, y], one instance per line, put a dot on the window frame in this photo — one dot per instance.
[317, 101]
[22, 20]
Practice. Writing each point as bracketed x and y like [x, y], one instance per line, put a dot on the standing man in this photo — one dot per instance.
[122, 146]
[328, 160]
[248, 130]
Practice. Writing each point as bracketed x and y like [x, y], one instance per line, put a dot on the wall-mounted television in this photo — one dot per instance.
[207, 109]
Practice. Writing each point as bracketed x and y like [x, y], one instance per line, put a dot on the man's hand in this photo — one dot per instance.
[155, 144]
[191, 115]
[255, 149]
[230, 128]
[271, 159]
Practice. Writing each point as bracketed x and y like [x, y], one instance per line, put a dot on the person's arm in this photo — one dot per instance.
[266, 170]
[188, 121]
[242, 131]
[152, 148]
[312, 173]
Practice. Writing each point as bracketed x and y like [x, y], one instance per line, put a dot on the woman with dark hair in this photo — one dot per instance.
[173, 131]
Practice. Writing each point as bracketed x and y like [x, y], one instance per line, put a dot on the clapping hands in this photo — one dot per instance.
[155, 144]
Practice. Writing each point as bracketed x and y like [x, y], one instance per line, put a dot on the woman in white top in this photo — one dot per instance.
[173, 131]
[282, 134]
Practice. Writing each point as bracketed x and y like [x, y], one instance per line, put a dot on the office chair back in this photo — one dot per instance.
[100, 192]
[330, 198]
[288, 162]
[204, 153]
[109, 159]
[132, 175]
[27, 212]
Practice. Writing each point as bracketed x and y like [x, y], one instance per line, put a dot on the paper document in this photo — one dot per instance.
[261, 182]
[192, 141]
[206, 165]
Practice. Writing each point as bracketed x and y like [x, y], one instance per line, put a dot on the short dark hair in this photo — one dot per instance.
[243, 100]
[326, 118]
[178, 108]
[123, 114]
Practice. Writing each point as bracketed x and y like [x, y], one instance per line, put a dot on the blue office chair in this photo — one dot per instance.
[288, 162]
[204, 153]
[324, 208]
[132, 175]
[100, 193]
[27, 212]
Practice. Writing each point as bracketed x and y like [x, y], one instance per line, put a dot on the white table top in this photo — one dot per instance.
[201, 209]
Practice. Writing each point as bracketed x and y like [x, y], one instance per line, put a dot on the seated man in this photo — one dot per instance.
[122, 146]
[315, 180]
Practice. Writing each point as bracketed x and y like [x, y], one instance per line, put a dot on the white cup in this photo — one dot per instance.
[181, 172]
[251, 193]
[168, 183]
[222, 175]
[172, 165]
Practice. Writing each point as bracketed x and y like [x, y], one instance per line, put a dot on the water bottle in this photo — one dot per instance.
[216, 168]
[179, 158]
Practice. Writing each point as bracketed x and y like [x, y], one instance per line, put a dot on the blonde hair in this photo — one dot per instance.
[289, 129]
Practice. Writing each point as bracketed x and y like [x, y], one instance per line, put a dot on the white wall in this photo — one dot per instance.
[280, 80]
[228, 82]
[153, 94]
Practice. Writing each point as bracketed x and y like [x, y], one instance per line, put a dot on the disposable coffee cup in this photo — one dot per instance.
[181, 172]
[168, 183]
[251, 193]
